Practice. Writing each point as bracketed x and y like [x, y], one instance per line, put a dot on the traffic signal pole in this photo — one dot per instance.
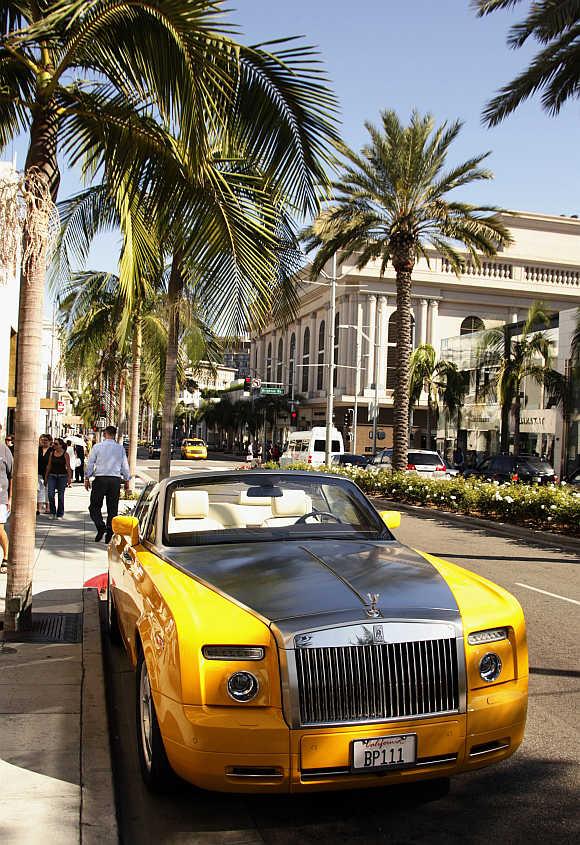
[330, 386]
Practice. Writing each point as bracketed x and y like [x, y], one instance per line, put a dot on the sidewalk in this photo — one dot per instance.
[55, 769]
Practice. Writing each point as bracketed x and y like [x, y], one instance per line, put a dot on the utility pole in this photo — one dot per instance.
[378, 329]
[330, 388]
[358, 364]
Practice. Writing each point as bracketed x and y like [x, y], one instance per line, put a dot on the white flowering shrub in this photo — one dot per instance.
[548, 506]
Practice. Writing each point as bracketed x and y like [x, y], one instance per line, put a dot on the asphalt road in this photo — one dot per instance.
[533, 797]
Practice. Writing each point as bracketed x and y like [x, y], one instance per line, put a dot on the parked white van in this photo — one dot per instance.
[309, 447]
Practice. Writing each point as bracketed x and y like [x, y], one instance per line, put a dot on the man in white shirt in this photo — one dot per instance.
[108, 465]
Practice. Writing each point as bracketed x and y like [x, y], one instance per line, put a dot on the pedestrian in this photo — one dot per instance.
[107, 465]
[250, 452]
[10, 443]
[6, 466]
[275, 452]
[259, 453]
[44, 449]
[79, 462]
[458, 458]
[58, 477]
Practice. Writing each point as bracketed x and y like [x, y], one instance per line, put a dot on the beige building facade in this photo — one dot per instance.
[543, 263]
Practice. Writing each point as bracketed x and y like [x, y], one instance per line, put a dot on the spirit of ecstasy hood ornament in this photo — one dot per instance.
[373, 599]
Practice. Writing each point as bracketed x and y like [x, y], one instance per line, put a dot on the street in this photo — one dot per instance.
[532, 797]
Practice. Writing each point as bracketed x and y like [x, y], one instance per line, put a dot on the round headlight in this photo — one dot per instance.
[243, 686]
[490, 667]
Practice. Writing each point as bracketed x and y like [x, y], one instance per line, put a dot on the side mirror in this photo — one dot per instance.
[127, 526]
[392, 519]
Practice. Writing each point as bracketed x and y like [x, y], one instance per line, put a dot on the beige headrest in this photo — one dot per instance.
[190, 504]
[263, 501]
[291, 503]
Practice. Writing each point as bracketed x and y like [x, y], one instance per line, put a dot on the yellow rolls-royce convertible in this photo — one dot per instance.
[284, 641]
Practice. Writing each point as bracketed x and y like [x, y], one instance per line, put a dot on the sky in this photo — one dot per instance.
[433, 55]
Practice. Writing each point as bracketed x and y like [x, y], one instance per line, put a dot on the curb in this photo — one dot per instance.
[98, 823]
[543, 538]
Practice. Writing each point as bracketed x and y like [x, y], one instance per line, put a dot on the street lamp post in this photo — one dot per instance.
[330, 389]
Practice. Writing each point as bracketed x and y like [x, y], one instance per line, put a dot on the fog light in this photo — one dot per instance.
[490, 667]
[243, 686]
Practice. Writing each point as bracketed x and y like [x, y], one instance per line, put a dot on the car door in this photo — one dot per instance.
[116, 550]
[134, 573]
[126, 596]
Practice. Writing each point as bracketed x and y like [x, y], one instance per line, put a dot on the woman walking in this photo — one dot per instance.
[58, 476]
[44, 447]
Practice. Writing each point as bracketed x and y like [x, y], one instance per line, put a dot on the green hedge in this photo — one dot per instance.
[553, 507]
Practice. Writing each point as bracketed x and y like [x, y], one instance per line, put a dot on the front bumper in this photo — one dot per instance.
[229, 749]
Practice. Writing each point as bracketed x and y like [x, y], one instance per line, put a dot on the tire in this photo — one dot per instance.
[155, 769]
[112, 620]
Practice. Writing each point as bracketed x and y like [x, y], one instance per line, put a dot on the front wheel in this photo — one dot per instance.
[155, 769]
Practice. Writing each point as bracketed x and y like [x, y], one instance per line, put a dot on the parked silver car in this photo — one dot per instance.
[423, 462]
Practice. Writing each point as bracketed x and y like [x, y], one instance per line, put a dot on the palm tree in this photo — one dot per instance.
[515, 360]
[423, 376]
[100, 82]
[453, 388]
[90, 311]
[554, 70]
[392, 204]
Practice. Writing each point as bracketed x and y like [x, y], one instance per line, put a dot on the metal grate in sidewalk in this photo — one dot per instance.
[50, 628]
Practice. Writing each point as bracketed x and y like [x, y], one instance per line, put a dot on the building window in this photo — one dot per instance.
[471, 325]
[269, 363]
[336, 325]
[292, 363]
[279, 362]
[391, 348]
[320, 368]
[305, 359]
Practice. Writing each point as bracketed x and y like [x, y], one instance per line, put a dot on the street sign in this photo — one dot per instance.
[266, 390]
[60, 406]
[256, 383]
[102, 422]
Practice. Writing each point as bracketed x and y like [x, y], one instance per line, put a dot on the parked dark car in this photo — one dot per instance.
[529, 469]
[349, 460]
[155, 448]
[574, 478]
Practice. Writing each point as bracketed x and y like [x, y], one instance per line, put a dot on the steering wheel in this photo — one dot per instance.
[316, 513]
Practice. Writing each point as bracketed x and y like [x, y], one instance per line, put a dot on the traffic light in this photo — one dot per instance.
[293, 417]
[247, 383]
[103, 409]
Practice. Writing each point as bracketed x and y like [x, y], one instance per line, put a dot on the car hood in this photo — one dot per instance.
[283, 581]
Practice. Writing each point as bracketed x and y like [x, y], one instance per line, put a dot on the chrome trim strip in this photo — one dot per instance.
[363, 633]
[489, 750]
[436, 761]
[379, 721]
[261, 777]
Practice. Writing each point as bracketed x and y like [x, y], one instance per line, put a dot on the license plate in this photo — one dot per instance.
[384, 752]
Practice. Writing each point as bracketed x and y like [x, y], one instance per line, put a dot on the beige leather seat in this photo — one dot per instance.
[189, 512]
[254, 510]
[288, 508]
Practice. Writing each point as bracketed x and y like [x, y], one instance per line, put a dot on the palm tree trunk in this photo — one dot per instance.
[41, 162]
[136, 351]
[517, 411]
[429, 414]
[403, 269]
[122, 405]
[174, 292]
[505, 428]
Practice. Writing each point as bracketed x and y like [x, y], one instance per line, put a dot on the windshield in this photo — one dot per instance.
[430, 459]
[254, 507]
[193, 443]
[535, 463]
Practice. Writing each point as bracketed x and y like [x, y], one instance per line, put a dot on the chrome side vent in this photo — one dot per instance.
[377, 682]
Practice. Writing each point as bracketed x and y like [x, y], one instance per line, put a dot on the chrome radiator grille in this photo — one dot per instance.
[375, 682]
